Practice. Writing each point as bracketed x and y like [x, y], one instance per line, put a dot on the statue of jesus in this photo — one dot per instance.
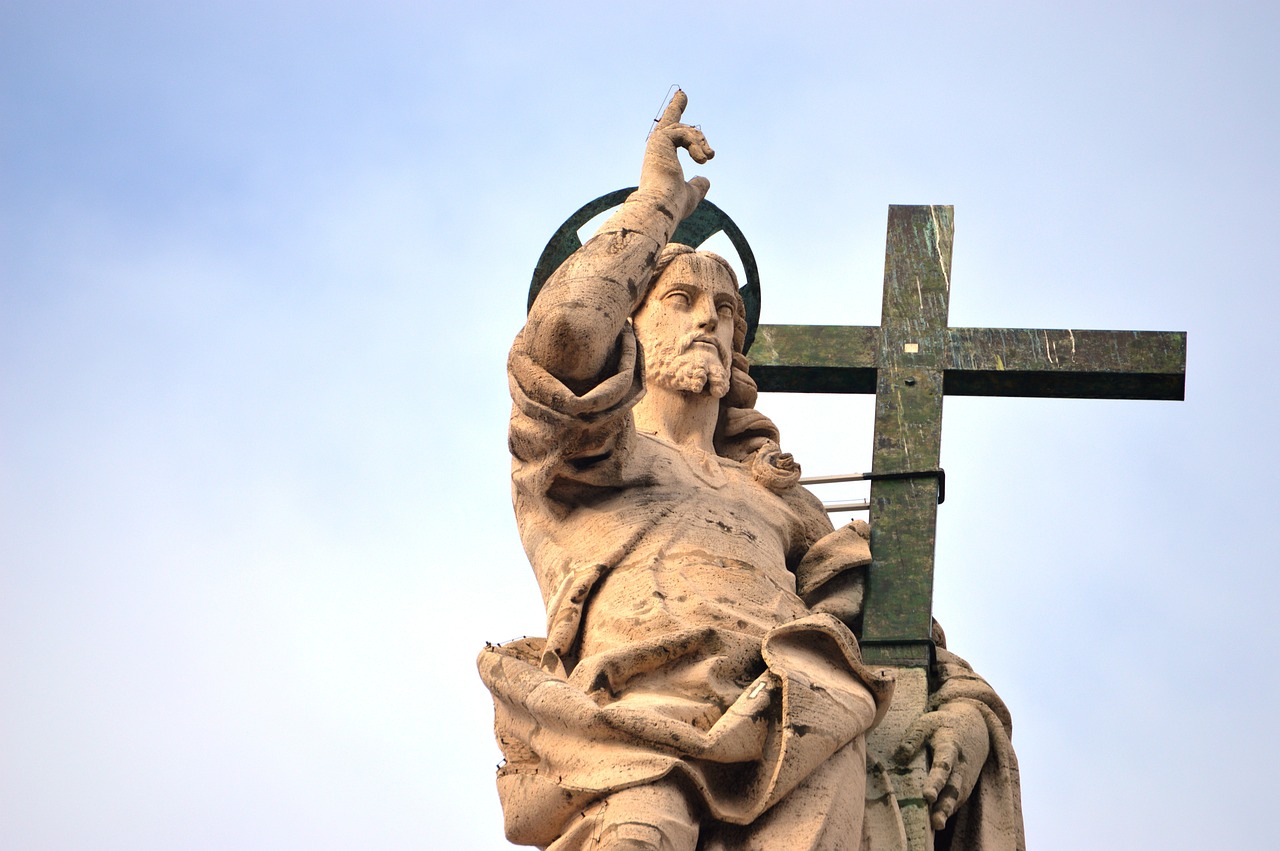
[700, 685]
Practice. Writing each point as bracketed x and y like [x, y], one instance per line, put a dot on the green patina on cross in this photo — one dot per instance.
[910, 362]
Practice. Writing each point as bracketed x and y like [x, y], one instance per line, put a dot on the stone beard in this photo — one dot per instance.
[676, 365]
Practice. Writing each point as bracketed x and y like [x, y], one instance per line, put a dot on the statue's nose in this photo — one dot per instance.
[707, 317]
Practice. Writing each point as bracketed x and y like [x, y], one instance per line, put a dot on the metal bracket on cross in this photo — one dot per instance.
[833, 507]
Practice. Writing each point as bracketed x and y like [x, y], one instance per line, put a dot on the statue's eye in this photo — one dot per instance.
[725, 310]
[679, 298]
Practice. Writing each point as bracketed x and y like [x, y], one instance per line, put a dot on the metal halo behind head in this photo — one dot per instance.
[704, 223]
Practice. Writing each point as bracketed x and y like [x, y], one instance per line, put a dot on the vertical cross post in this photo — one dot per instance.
[897, 615]
[897, 622]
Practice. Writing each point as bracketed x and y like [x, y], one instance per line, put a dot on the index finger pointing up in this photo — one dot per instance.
[674, 110]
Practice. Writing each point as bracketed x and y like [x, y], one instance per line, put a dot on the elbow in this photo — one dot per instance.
[573, 343]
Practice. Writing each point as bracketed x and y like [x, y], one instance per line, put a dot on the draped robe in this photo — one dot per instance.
[679, 640]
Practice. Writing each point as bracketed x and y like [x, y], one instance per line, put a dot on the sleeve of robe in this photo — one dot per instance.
[564, 445]
[562, 441]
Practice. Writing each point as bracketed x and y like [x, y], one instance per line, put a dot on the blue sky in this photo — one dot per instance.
[259, 267]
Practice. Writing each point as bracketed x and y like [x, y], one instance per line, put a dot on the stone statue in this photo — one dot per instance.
[700, 685]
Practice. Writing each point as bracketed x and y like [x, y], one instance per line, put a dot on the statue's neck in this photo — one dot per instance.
[685, 420]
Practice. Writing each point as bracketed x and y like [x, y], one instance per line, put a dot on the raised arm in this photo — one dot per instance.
[573, 328]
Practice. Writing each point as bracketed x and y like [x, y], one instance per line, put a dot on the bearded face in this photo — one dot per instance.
[689, 365]
[686, 327]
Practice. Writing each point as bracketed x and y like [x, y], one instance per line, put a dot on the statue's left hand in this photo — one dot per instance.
[958, 739]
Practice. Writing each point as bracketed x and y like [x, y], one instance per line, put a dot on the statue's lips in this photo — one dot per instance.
[706, 341]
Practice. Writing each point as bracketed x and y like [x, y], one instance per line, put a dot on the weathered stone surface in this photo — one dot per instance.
[701, 683]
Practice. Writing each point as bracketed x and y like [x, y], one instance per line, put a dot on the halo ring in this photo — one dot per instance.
[704, 223]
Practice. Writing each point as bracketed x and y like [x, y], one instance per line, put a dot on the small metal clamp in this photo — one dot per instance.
[864, 505]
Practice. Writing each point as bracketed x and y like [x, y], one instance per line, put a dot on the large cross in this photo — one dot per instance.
[910, 362]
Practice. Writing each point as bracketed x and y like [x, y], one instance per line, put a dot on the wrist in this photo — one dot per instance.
[651, 214]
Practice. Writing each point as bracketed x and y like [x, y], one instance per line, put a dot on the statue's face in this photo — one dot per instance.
[686, 327]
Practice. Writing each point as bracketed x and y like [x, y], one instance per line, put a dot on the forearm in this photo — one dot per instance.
[573, 328]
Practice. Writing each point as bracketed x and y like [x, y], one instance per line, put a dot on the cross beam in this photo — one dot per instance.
[911, 361]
